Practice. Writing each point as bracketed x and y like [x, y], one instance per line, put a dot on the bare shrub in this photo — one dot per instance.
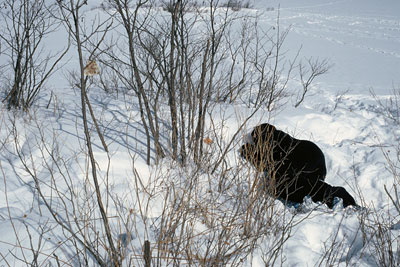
[381, 243]
[71, 18]
[314, 68]
[236, 5]
[213, 219]
[390, 107]
[179, 60]
[24, 27]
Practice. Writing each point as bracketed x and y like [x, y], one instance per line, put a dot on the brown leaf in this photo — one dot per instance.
[208, 140]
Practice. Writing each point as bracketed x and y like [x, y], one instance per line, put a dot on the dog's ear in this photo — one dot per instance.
[253, 153]
[263, 132]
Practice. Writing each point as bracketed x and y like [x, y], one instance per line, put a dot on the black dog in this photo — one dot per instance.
[293, 168]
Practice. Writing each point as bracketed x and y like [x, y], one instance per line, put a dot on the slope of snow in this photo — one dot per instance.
[361, 38]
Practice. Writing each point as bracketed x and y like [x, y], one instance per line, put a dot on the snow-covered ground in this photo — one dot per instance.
[361, 39]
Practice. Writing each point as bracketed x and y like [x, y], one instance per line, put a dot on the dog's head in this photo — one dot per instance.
[256, 144]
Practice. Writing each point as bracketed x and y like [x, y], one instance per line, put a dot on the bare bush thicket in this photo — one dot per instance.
[188, 58]
[237, 5]
[25, 25]
[384, 244]
[376, 239]
[126, 66]
[211, 209]
[87, 43]
[189, 216]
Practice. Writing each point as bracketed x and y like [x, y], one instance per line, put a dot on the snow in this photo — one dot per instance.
[361, 38]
